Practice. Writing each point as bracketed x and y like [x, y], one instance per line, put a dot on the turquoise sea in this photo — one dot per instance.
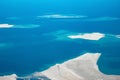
[36, 34]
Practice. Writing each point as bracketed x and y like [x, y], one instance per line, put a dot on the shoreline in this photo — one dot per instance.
[83, 67]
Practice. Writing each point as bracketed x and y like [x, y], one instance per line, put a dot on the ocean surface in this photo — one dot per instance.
[38, 37]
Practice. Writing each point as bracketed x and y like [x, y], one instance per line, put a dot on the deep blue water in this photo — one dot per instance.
[30, 49]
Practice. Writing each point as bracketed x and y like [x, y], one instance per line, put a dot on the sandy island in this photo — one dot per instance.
[87, 36]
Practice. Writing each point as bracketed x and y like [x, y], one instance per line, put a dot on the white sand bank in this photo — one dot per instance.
[9, 77]
[88, 36]
[6, 26]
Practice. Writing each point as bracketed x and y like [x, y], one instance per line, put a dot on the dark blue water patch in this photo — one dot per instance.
[77, 25]
[36, 7]
[27, 59]
[110, 58]
[109, 65]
